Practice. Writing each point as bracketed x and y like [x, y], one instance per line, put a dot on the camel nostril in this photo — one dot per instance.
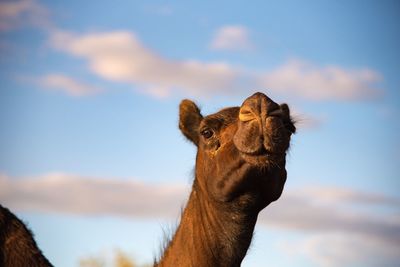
[246, 114]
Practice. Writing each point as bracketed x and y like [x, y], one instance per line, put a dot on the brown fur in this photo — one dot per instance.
[240, 169]
[17, 245]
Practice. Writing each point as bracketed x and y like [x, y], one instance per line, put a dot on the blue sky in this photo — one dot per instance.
[92, 158]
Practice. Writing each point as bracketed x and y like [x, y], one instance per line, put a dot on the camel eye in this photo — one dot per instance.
[207, 133]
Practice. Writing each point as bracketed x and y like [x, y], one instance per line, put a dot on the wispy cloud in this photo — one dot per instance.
[336, 210]
[304, 79]
[58, 192]
[345, 249]
[68, 85]
[344, 227]
[360, 227]
[14, 14]
[232, 38]
[121, 57]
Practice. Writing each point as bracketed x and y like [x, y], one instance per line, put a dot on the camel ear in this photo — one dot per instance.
[289, 123]
[189, 120]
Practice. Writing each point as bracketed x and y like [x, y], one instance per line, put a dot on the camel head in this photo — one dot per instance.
[240, 151]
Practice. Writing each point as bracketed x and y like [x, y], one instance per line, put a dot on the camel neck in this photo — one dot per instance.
[209, 235]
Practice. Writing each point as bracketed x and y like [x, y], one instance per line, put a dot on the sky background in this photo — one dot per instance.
[91, 156]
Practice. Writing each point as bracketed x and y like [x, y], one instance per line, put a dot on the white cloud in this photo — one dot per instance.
[345, 249]
[67, 85]
[73, 194]
[332, 209]
[300, 78]
[342, 227]
[233, 37]
[121, 57]
[330, 195]
[14, 14]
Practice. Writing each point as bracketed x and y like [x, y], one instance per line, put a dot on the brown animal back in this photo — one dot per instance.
[17, 245]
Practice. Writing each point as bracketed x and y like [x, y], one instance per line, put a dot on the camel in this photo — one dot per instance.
[17, 245]
[240, 169]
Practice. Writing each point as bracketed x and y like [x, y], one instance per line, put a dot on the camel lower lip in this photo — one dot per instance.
[262, 152]
[261, 158]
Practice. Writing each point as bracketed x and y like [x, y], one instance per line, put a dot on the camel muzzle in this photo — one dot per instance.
[260, 127]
